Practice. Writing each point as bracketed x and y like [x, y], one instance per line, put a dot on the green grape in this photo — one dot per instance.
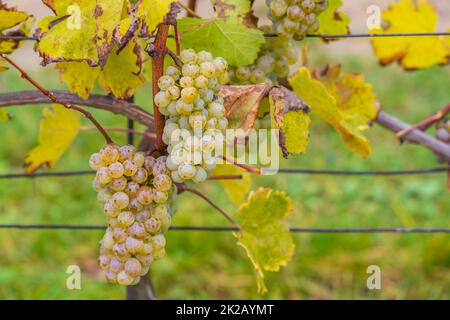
[152, 225]
[137, 230]
[126, 218]
[129, 168]
[96, 161]
[124, 278]
[165, 82]
[188, 56]
[133, 267]
[133, 245]
[145, 195]
[205, 56]
[189, 95]
[140, 176]
[162, 183]
[190, 70]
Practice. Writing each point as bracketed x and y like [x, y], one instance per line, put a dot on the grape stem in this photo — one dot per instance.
[426, 123]
[147, 134]
[182, 188]
[190, 8]
[242, 166]
[226, 177]
[52, 97]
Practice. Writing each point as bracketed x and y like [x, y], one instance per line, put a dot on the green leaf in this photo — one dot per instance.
[239, 10]
[229, 39]
[334, 21]
[290, 116]
[58, 128]
[264, 237]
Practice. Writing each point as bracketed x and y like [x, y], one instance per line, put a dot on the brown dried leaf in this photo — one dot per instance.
[242, 104]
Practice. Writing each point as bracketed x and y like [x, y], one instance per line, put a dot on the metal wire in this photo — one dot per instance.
[322, 36]
[282, 171]
[231, 229]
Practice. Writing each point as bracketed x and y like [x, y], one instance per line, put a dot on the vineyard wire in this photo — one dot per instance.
[321, 36]
[282, 171]
[232, 229]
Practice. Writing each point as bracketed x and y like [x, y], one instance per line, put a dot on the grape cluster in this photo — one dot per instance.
[443, 134]
[137, 195]
[195, 113]
[273, 62]
[296, 18]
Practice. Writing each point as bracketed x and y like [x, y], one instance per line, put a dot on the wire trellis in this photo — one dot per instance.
[234, 229]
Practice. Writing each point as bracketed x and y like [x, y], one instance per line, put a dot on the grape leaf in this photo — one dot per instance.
[82, 30]
[10, 17]
[242, 104]
[411, 52]
[333, 21]
[3, 113]
[152, 12]
[237, 190]
[58, 128]
[121, 75]
[79, 77]
[229, 39]
[341, 107]
[290, 116]
[266, 240]
[240, 10]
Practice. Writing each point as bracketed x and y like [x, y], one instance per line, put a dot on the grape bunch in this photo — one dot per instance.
[137, 196]
[188, 97]
[273, 62]
[296, 18]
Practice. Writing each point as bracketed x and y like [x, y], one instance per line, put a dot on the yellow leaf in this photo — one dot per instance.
[339, 106]
[121, 75]
[58, 128]
[153, 12]
[10, 17]
[264, 237]
[290, 116]
[333, 21]
[79, 77]
[407, 16]
[236, 189]
[3, 114]
[82, 30]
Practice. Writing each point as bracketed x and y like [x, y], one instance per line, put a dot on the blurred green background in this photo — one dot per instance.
[202, 265]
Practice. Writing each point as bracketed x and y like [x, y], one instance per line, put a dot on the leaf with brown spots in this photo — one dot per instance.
[290, 117]
[242, 104]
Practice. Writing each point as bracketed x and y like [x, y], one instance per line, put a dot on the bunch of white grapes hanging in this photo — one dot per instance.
[136, 192]
[188, 97]
[273, 62]
[296, 18]
[443, 134]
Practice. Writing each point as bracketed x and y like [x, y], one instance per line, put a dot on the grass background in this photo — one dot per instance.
[210, 265]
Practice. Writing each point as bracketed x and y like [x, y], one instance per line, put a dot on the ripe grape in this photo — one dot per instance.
[124, 183]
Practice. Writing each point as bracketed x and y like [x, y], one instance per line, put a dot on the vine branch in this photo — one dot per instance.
[50, 95]
[395, 125]
[426, 123]
[183, 188]
[107, 103]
